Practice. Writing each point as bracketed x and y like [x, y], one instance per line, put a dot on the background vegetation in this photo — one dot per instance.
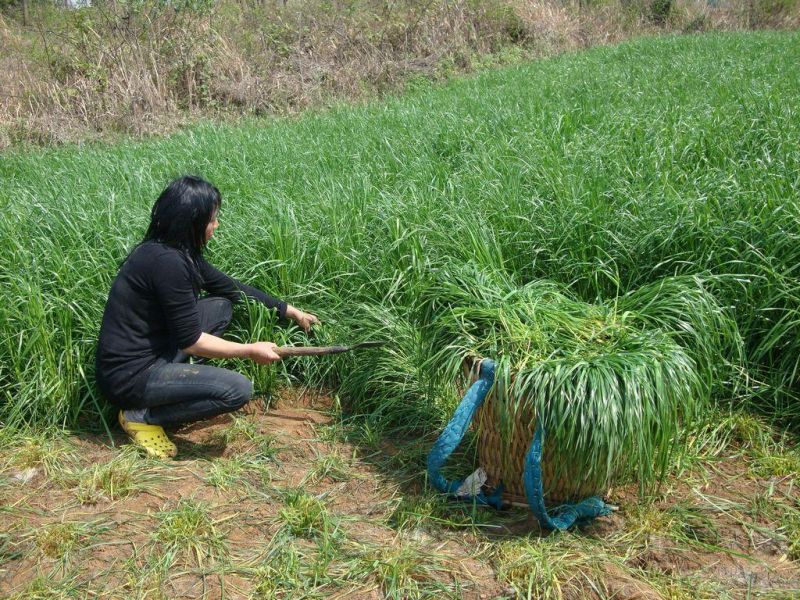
[627, 216]
[150, 66]
[603, 172]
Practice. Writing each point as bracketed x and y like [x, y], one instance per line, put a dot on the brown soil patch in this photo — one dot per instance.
[114, 560]
[718, 525]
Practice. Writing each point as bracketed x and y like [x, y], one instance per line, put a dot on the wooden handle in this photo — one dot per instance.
[284, 351]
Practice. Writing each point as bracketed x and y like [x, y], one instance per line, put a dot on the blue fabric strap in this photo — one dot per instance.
[565, 515]
[452, 435]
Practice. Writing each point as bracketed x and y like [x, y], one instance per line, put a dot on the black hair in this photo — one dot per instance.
[181, 214]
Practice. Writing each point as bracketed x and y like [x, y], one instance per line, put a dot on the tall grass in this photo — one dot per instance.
[657, 179]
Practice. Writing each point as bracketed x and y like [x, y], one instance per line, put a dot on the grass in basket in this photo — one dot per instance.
[611, 381]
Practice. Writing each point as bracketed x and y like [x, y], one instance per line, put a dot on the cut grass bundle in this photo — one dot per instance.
[609, 382]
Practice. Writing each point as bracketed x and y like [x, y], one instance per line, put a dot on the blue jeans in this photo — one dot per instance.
[177, 392]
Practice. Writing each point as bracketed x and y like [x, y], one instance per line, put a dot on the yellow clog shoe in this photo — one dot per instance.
[150, 437]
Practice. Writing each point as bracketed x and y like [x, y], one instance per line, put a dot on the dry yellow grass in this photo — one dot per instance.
[100, 71]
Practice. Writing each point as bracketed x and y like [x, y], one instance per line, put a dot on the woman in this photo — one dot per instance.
[155, 320]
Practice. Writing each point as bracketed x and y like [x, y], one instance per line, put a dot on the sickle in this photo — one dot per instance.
[284, 351]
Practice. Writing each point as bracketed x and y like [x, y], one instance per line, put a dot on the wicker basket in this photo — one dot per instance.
[504, 461]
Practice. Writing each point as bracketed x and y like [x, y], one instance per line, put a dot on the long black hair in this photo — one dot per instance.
[181, 214]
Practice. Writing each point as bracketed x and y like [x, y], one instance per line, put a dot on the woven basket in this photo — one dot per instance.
[504, 461]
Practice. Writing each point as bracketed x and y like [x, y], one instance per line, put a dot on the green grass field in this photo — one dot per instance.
[602, 171]
[625, 203]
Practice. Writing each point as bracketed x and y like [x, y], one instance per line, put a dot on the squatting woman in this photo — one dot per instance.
[155, 319]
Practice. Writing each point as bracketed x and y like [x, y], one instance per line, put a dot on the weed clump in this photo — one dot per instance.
[58, 540]
[246, 432]
[189, 530]
[126, 474]
[237, 472]
[305, 515]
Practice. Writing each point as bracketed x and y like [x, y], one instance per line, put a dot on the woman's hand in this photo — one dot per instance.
[303, 319]
[306, 320]
[263, 353]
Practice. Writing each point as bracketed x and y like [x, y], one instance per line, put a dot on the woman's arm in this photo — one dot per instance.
[172, 284]
[219, 284]
[211, 346]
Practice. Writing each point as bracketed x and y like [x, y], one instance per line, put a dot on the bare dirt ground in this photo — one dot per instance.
[289, 502]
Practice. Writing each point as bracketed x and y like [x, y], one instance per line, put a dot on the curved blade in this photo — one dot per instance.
[284, 351]
[368, 344]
